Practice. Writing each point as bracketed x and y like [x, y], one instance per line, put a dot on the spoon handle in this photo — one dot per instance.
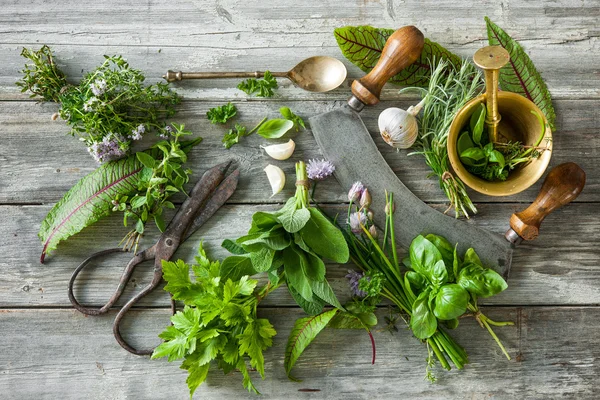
[172, 76]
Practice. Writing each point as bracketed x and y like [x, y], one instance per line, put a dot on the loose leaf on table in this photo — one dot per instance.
[520, 75]
[275, 128]
[221, 114]
[303, 333]
[289, 115]
[263, 86]
[362, 45]
[89, 200]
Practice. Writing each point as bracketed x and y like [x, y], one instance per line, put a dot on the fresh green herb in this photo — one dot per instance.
[521, 76]
[109, 109]
[449, 90]
[362, 46]
[293, 240]
[275, 128]
[263, 86]
[233, 135]
[218, 323]
[288, 114]
[493, 161]
[120, 185]
[434, 292]
[221, 114]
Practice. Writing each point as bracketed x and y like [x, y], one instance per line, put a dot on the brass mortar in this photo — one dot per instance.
[508, 118]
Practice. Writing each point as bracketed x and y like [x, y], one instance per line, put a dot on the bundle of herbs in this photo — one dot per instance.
[436, 289]
[109, 109]
[290, 244]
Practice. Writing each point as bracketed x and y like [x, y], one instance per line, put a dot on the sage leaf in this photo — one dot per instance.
[234, 267]
[362, 46]
[324, 238]
[262, 259]
[305, 330]
[233, 247]
[294, 219]
[295, 273]
[520, 75]
[275, 128]
[324, 291]
[89, 200]
[451, 302]
[313, 307]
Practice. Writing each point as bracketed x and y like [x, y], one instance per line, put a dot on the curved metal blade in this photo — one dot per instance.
[346, 142]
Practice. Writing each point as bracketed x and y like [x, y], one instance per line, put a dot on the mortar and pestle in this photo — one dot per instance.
[509, 118]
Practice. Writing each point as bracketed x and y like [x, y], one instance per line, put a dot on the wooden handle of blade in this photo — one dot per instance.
[562, 185]
[402, 49]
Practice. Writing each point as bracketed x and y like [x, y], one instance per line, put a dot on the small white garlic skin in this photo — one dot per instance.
[276, 178]
[398, 127]
[280, 151]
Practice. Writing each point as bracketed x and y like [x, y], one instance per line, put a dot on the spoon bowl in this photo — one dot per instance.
[318, 74]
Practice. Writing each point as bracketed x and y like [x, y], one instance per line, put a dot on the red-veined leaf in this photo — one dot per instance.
[89, 200]
[362, 46]
[519, 75]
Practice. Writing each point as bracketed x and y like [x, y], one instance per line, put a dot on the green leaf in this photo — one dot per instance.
[324, 238]
[472, 257]
[305, 330]
[294, 219]
[263, 86]
[160, 222]
[234, 267]
[456, 264]
[288, 114]
[362, 45]
[345, 320]
[450, 302]
[520, 75]
[89, 200]
[482, 282]
[422, 322]
[445, 249]
[439, 274]
[473, 157]
[477, 123]
[221, 114]
[197, 376]
[324, 291]
[464, 142]
[257, 336]
[294, 271]
[497, 157]
[262, 259]
[275, 128]
[233, 247]
[423, 256]
[177, 276]
[416, 280]
[174, 345]
[146, 159]
[138, 201]
[312, 307]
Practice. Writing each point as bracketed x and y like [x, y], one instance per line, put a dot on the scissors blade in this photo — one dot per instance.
[219, 197]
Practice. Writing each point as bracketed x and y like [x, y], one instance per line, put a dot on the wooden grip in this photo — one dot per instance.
[402, 49]
[562, 185]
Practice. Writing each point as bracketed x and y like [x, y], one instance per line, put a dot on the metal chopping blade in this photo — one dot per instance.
[346, 142]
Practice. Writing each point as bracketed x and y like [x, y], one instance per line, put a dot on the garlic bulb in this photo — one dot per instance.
[398, 127]
[280, 151]
[276, 178]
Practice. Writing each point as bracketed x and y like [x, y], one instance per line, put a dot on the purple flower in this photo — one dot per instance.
[356, 220]
[355, 191]
[98, 87]
[354, 279]
[319, 170]
[167, 131]
[136, 134]
[111, 147]
[365, 199]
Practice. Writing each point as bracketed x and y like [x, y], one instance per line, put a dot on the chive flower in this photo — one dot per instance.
[317, 170]
[355, 192]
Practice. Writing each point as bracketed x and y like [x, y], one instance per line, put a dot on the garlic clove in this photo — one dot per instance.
[280, 151]
[398, 127]
[276, 178]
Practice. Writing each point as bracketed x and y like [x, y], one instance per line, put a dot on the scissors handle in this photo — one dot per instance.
[135, 261]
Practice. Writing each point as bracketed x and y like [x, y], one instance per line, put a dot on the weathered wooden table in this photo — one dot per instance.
[49, 351]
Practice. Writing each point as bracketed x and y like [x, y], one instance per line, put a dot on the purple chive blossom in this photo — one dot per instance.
[136, 134]
[365, 199]
[356, 220]
[354, 279]
[98, 87]
[317, 170]
[355, 191]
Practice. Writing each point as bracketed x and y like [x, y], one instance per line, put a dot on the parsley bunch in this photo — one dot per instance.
[109, 109]
[218, 322]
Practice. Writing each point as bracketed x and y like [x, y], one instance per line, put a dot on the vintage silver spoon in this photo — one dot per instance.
[315, 74]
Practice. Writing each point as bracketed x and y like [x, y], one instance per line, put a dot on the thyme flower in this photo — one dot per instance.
[317, 170]
[136, 134]
[98, 87]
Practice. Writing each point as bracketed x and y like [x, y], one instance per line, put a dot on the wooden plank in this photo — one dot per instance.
[56, 160]
[561, 267]
[68, 356]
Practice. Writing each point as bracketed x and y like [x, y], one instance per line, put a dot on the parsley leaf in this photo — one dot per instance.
[221, 114]
[233, 136]
[263, 86]
[218, 323]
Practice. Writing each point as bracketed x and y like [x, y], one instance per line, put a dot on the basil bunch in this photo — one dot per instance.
[290, 244]
[446, 286]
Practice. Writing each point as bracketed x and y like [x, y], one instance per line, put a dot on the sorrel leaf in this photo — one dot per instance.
[519, 75]
[89, 200]
[304, 332]
[362, 46]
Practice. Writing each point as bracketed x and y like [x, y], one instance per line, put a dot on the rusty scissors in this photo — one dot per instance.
[211, 191]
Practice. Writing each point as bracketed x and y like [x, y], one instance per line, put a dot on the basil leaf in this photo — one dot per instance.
[324, 238]
[477, 122]
[423, 256]
[473, 157]
[472, 257]
[482, 282]
[446, 250]
[464, 142]
[234, 267]
[416, 280]
[295, 219]
[439, 274]
[295, 273]
[456, 262]
[422, 322]
[451, 323]
[275, 128]
[497, 157]
[451, 302]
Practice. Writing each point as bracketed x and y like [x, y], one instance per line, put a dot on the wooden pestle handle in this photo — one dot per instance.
[562, 185]
[401, 49]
